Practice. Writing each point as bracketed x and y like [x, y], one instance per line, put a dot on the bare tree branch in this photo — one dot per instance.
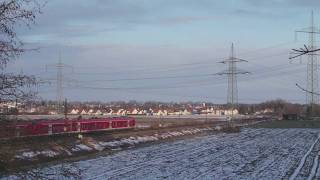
[13, 13]
[16, 87]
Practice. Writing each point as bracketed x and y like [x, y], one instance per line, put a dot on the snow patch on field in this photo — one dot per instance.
[97, 147]
[114, 145]
[81, 147]
[142, 126]
[34, 154]
[131, 141]
[49, 153]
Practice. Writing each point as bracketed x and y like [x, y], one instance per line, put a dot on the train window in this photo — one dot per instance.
[84, 126]
[99, 125]
[58, 128]
[106, 125]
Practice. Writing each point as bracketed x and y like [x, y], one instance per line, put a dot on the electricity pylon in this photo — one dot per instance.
[312, 90]
[232, 73]
[59, 80]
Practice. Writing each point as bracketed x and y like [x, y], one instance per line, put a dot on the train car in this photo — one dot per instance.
[62, 126]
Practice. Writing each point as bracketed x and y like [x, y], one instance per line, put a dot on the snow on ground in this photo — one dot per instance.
[113, 145]
[251, 154]
[33, 154]
[82, 147]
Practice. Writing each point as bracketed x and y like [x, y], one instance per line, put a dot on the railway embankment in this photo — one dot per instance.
[24, 153]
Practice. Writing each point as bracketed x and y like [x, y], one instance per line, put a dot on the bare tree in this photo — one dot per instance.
[13, 13]
[16, 86]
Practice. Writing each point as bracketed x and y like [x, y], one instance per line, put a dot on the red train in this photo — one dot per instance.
[51, 127]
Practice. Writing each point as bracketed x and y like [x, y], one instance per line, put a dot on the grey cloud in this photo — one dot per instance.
[70, 18]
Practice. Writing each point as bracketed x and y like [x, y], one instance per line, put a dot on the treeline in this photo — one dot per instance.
[278, 107]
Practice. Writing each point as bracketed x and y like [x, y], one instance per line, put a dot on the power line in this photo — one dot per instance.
[190, 65]
[161, 93]
[153, 78]
[174, 67]
[170, 77]
[269, 72]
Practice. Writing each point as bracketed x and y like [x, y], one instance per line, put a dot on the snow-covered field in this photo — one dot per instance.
[251, 154]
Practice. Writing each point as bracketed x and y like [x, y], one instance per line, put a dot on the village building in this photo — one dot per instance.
[83, 112]
[74, 111]
[90, 112]
[98, 113]
[162, 113]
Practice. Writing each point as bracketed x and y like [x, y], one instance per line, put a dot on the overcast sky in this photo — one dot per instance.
[165, 50]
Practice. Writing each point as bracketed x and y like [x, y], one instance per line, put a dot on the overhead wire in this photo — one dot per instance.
[177, 65]
[268, 71]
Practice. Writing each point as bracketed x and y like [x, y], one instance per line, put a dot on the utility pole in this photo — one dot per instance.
[59, 97]
[232, 73]
[60, 81]
[65, 109]
[312, 89]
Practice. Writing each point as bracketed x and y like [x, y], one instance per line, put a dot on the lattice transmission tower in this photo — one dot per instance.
[232, 72]
[312, 90]
[59, 82]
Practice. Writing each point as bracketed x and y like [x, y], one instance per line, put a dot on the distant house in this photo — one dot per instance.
[219, 112]
[74, 111]
[98, 113]
[134, 112]
[90, 112]
[122, 112]
[230, 112]
[162, 113]
[209, 110]
[186, 112]
[119, 113]
[53, 113]
[142, 112]
[83, 112]
[174, 113]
